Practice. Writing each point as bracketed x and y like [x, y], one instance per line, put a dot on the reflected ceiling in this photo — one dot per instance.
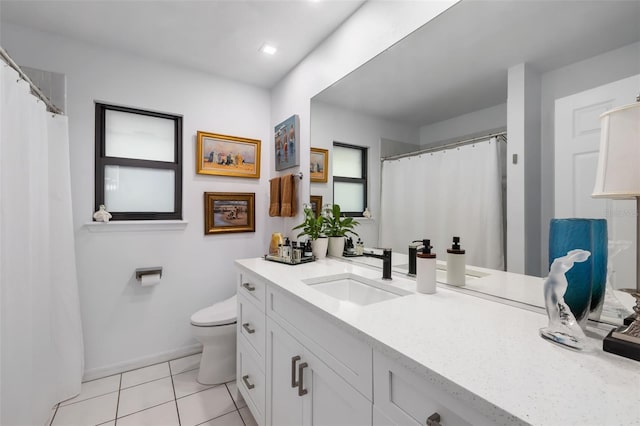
[457, 63]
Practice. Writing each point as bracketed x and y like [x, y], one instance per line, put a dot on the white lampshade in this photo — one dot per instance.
[619, 160]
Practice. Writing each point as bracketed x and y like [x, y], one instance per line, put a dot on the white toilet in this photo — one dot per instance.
[215, 328]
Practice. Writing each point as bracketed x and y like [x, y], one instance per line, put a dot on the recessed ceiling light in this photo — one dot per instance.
[268, 49]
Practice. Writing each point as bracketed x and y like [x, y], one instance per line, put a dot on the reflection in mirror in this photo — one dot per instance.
[477, 69]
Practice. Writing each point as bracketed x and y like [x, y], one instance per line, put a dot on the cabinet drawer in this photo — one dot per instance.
[348, 356]
[251, 381]
[403, 398]
[253, 287]
[252, 325]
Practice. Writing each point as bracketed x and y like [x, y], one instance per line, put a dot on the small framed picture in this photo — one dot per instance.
[316, 204]
[287, 143]
[227, 155]
[229, 212]
[319, 164]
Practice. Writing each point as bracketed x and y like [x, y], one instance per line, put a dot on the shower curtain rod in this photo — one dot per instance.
[34, 89]
[446, 146]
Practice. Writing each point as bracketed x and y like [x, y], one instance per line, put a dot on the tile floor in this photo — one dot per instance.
[157, 395]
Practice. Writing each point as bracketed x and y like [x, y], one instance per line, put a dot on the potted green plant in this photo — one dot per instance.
[337, 227]
[314, 227]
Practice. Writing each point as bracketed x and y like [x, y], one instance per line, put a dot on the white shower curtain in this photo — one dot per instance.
[455, 192]
[41, 347]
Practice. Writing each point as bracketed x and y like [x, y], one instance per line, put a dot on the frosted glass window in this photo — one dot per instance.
[144, 137]
[350, 178]
[138, 163]
[137, 189]
[347, 162]
[350, 196]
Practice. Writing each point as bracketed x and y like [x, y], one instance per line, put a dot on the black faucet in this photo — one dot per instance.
[413, 251]
[386, 261]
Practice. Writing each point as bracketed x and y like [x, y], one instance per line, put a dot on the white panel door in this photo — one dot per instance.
[320, 398]
[577, 143]
[331, 400]
[284, 354]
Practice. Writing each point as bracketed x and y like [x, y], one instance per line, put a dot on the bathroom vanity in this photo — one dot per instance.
[331, 343]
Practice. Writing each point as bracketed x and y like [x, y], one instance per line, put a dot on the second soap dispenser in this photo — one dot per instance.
[426, 269]
[456, 264]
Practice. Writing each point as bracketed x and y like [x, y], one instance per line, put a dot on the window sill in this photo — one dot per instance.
[136, 225]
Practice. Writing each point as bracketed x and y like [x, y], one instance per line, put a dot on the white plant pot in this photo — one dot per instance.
[319, 247]
[336, 246]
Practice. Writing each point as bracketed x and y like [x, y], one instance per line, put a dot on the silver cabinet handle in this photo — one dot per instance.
[433, 420]
[248, 286]
[248, 329]
[294, 360]
[245, 379]
[301, 391]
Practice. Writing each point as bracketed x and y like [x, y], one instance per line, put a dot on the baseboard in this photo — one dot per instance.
[98, 373]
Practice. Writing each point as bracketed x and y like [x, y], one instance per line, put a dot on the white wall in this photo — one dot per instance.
[523, 174]
[126, 325]
[476, 123]
[373, 28]
[580, 76]
[334, 124]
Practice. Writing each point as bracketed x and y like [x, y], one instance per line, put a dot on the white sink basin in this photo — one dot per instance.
[354, 288]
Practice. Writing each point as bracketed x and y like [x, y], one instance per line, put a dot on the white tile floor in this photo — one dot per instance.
[157, 395]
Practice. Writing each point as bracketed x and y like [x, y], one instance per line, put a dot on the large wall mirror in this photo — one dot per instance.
[457, 78]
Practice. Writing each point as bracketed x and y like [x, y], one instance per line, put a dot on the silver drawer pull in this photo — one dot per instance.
[247, 328]
[245, 379]
[294, 360]
[433, 420]
[301, 390]
[248, 286]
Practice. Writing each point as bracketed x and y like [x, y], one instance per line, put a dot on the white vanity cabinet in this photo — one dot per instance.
[303, 390]
[251, 334]
[294, 368]
[404, 398]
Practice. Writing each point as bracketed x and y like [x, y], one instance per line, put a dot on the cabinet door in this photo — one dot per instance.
[323, 397]
[284, 406]
[330, 400]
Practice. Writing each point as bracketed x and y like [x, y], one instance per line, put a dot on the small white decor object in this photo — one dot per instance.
[366, 213]
[563, 327]
[102, 215]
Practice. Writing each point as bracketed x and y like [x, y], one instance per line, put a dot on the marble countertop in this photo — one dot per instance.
[489, 353]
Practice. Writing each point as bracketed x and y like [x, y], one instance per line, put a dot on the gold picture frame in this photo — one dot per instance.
[229, 212]
[225, 155]
[316, 204]
[319, 167]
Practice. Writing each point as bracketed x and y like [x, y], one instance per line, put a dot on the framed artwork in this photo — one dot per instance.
[227, 155]
[287, 143]
[316, 204]
[229, 212]
[319, 164]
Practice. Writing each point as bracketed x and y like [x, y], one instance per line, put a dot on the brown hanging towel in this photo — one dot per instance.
[288, 196]
[274, 201]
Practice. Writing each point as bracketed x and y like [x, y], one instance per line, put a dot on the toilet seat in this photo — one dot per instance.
[218, 314]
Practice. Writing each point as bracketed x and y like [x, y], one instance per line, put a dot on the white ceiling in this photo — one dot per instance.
[458, 62]
[221, 37]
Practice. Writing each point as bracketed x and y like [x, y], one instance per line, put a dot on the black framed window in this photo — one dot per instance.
[349, 166]
[138, 167]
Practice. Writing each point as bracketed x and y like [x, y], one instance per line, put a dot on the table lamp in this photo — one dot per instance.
[618, 177]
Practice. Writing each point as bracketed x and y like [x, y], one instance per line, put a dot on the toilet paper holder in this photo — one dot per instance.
[148, 271]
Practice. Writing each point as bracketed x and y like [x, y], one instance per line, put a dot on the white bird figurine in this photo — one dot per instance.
[102, 215]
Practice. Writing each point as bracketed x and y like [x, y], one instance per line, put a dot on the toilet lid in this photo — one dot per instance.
[221, 313]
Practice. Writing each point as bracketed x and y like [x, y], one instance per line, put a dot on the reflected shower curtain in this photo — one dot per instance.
[445, 193]
[41, 344]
